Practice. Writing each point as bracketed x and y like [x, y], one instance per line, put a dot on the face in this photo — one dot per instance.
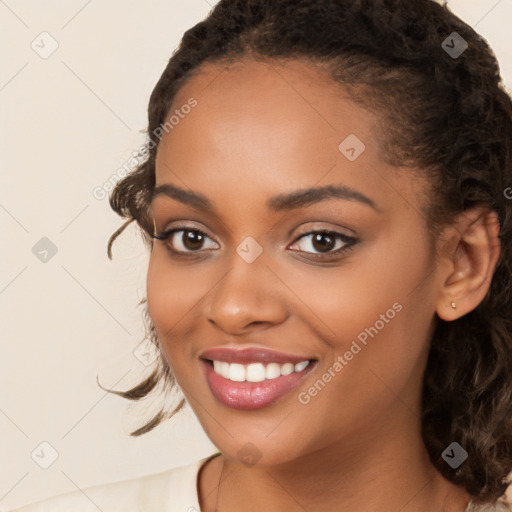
[344, 280]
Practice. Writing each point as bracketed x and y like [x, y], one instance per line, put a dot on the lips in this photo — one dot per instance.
[260, 391]
[252, 355]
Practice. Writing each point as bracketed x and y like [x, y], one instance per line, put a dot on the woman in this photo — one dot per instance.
[326, 199]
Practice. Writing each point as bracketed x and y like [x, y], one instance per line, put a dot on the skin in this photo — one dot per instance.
[261, 129]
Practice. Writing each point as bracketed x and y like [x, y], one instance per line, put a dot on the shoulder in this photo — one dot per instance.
[168, 491]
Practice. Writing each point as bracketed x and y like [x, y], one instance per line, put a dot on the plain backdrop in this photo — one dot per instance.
[69, 120]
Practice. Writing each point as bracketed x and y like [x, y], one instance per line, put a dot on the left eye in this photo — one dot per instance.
[326, 242]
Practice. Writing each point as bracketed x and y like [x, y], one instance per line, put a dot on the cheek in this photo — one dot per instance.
[161, 292]
[176, 295]
[376, 312]
[378, 280]
[171, 296]
[172, 289]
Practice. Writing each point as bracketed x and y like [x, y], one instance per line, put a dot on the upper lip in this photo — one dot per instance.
[251, 355]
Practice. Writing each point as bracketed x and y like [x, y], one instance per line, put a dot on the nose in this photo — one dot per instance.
[248, 295]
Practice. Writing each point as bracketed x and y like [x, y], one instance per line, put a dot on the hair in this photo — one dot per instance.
[447, 119]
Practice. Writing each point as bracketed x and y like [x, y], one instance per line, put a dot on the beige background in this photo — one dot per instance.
[69, 122]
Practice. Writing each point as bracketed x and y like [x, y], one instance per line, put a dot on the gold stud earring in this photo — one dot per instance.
[453, 305]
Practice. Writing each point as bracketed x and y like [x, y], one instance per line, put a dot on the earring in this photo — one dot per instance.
[453, 305]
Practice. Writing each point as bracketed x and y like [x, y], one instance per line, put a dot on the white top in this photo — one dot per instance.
[174, 490]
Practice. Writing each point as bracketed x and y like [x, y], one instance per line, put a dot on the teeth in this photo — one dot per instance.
[300, 366]
[236, 372]
[287, 368]
[273, 371]
[224, 367]
[256, 372]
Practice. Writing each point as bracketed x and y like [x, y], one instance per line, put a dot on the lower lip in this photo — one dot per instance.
[252, 395]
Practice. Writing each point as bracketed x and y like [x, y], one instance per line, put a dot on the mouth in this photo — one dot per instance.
[255, 379]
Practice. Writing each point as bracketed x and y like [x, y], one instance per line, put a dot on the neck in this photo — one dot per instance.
[382, 471]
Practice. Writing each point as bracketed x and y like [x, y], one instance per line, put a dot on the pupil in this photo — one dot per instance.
[323, 247]
[193, 240]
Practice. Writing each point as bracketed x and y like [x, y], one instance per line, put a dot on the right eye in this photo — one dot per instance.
[190, 240]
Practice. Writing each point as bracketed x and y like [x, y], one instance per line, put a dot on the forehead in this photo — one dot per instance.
[268, 105]
[275, 90]
[270, 125]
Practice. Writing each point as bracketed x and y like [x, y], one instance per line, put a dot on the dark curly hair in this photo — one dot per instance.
[446, 116]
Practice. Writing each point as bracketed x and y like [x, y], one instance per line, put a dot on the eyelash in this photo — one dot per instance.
[349, 241]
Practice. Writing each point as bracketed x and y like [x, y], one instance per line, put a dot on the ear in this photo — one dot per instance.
[469, 251]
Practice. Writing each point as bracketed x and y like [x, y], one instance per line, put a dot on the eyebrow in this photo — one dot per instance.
[287, 201]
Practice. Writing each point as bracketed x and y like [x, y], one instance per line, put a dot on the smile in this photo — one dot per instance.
[253, 377]
[256, 372]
